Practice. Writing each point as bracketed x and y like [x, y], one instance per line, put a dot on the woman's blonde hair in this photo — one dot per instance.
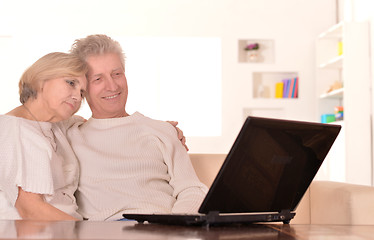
[50, 66]
[97, 45]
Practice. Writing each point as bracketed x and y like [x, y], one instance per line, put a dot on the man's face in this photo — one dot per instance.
[107, 86]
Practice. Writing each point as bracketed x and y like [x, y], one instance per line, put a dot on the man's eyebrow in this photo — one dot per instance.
[95, 75]
[117, 69]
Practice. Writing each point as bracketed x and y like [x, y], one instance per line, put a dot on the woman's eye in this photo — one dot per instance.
[71, 83]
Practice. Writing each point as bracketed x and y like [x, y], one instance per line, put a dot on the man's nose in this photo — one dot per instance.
[111, 84]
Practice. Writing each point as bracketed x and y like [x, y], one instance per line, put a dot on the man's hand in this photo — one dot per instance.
[180, 133]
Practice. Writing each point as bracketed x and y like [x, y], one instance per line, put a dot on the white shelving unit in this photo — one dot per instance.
[334, 94]
[349, 69]
[262, 76]
[329, 69]
[335, 63]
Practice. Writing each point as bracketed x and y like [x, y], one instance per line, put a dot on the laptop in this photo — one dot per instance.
[264, 176]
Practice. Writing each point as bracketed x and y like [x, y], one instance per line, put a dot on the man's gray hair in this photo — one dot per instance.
[96, 45]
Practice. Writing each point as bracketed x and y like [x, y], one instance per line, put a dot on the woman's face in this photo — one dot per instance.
[61, 97]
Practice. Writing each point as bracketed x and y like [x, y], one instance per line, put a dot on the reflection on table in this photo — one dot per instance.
[132, 230]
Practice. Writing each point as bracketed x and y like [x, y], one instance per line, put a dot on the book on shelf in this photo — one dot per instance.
[288, 88]
[295, 87]
[279, 90]
[291, 89]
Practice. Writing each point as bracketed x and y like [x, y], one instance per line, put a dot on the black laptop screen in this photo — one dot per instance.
[270, 166]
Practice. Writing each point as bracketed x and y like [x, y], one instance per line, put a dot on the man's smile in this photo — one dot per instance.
[112, 96]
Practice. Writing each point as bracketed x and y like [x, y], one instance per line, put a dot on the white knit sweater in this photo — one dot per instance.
[133, 164]
[29, 161]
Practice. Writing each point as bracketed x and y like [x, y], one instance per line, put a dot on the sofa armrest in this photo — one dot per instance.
[341, 203]
[303, 210]
[207, 166]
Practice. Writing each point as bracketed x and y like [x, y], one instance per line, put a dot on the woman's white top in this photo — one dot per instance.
[28, 160]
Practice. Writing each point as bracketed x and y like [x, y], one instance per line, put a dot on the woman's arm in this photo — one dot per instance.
[33, 207]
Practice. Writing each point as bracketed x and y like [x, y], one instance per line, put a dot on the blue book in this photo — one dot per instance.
[294, 87]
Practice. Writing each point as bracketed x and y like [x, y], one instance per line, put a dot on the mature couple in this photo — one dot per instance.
[113, 163]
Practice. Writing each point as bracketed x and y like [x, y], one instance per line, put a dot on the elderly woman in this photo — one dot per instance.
[38, 170]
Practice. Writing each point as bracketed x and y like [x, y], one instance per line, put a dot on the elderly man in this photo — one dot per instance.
[129, 163]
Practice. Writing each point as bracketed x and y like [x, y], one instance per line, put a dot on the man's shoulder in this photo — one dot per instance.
[152, 121]
[157, 126]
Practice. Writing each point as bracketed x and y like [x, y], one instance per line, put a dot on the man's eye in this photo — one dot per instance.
[116, 74]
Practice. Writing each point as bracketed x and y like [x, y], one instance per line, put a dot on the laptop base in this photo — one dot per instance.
[212, 218]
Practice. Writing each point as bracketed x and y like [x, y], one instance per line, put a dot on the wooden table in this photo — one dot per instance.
[132, 230]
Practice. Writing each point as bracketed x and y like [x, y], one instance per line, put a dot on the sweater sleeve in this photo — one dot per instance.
[66, 124]
[188, 190]
[25, 157]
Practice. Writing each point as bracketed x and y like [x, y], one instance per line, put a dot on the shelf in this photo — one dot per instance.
[265, 52]
[264, 84]
[336, 62]
[330, 48]
[340, 122]
[338, 93]
[333, 32]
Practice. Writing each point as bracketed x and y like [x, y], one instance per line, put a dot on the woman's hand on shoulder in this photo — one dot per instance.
[181, 137]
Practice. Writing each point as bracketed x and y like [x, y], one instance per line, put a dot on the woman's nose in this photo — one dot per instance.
[77, 97]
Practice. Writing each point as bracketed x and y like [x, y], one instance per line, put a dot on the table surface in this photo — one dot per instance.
[132, 230]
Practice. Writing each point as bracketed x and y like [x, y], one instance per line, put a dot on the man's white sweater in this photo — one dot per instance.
[133, 164]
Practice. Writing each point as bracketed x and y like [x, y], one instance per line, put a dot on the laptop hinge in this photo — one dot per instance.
[285, 214]
[211, 216]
